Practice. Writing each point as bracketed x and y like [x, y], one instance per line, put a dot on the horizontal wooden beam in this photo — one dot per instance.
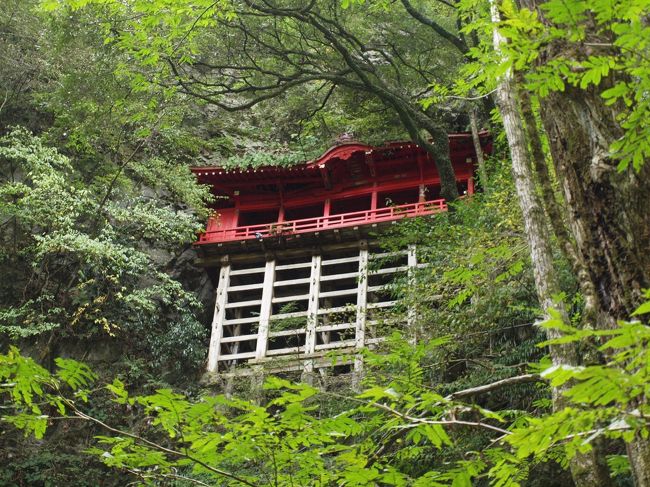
[339, 327]
[285, 351]
[382, 304]
[245, 272]
[336, 277]
[299, 265]
[237, 356]
[338, 309]
[385, 255]
[242, 321]
[290, 299]
[245, 287]
[243, 304]
[387, 270]
[239, 338]
[340, 292]
[295, 314]
[374, 289]
[287, 333]
[343, 260]
[291, 282]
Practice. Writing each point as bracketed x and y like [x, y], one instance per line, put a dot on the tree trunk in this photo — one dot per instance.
[555, 210]
[482, 172]
[589, 469]
[414, 121]
[609, 216]
[609, 210]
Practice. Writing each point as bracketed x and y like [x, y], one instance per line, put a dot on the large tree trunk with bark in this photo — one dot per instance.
[609, 215]
[590, 469]
[555, 209]
[438, 148]
[610, 211]
[587, 469]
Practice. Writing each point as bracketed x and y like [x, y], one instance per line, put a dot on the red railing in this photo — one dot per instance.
[306, 225]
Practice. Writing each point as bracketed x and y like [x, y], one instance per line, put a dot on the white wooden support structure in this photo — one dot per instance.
[265, 310]
[219, 316]
[312, 316]
[331, 294]
[411, 321]
[362, 299]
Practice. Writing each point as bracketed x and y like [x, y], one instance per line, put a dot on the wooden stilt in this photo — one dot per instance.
[265, 310]
[360, 330]
[411, 324]
[219, 316]
[312, 316]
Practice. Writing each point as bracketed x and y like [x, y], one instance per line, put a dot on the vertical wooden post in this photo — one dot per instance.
[326, 207]
[312, 316]
[373, 197]
[265, 309]
[219, 315]
[362, 299]
[470, 186]
[236, 331]
[411, 313]
[237, 200]
[281, 210]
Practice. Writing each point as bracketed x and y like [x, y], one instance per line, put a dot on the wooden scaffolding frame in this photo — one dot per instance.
[302, 308]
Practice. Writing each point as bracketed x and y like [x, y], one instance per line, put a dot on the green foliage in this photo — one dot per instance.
[477, 285]
[78, 259]
[611, 60]
[394, 422]
[89, 230]
[251, 57]
[30, 387]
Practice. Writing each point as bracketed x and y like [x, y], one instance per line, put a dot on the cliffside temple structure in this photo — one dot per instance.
[292, 251]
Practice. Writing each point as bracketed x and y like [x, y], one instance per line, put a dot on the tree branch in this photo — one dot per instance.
[510, 381]
[156, 446]
[457, 42]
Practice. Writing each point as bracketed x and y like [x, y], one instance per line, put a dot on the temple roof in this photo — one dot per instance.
[459, 144]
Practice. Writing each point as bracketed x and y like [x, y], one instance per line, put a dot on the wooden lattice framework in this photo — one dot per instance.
[303, 307]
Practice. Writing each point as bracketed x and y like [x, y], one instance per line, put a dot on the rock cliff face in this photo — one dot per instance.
[183, 268]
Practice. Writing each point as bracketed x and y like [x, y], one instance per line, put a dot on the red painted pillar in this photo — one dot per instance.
[326, 212]
[470, 186]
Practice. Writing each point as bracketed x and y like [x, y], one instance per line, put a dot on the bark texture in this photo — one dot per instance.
[555, 210]
[610, 210]
[588, 469]
[482, 172]
[609, 216]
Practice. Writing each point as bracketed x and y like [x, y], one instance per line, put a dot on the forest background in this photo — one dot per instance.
[531, 361]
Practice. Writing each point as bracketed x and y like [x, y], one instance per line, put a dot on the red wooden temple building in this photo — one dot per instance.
[291, 249]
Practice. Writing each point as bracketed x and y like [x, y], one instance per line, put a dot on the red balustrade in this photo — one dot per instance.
[307, 225]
